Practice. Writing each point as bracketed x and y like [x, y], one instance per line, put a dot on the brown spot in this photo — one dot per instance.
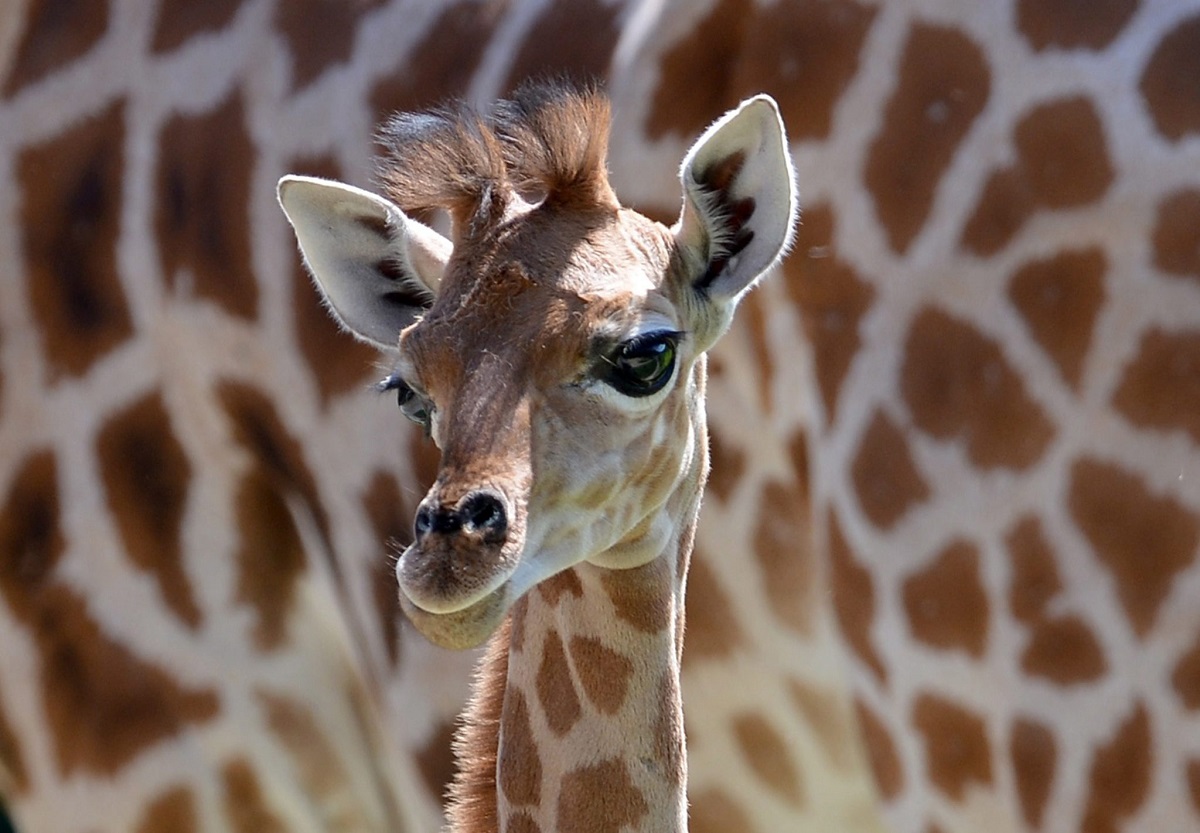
[1193, 779]
[728, 466]
[555, 688]
[798, 452]
[390, 517]
[1120, 775]
[1073, 24]
[881, 752]
[767, 754]
[1169, 81]
[670, 746]
[783, 547]
[603, 673]
[270, 560]
[1160, 388]
[832, 300]
[944, 83]
[201, 219]
[31, 540]
[1059, 299]
[958, 385]
[319, 34]
[1143, 540]
[14, 777]
[853, 598]
[565, 583]
[1034, 756]
[146, 476]
[1035, 579]
[956, 745]
[752, 317]
[600, 799]
[1006, 203]
[246, 807]
[57, 33]
[640, 596]
[71, 190]
[713, 632]
[946, 604]
[1177, 234]
[556, 45]
[827, 716]
[435, 759]
[178, 23]
[517, 614]
[520, 767]
[521, 822]
[713, 811]
[886, 478]
[1186, 677]
[1064, 651]
[172, 811]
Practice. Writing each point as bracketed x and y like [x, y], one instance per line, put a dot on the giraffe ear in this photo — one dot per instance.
[739, 200]
[376, 268]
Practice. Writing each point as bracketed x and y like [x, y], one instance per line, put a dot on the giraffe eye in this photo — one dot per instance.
[643, 365]
[415, 407]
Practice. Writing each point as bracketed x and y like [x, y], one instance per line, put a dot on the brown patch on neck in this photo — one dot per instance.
[1160, 387]
[783, 548]
[172, 811]
[319, 34]
[555, 688]
[600, 799]
[246, 808]
[178, 23]
[565, 583]
[1120, 773]
[640, 596]
[603, 673]
[31, 539]
[956, 745]
[881, 752]
[57, 34]
[1035, 579]
[886, 478]
[946, 603]
[768, 755]
[1169, 81]
[1070, 24]
[1186, 677]
[713, 632]
[14, 777]
[853, 598]
[391, 521]
[1034, 756]
[573, 40]
[1177, 234]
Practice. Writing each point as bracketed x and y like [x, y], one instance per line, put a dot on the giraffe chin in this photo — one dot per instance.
[462, 629]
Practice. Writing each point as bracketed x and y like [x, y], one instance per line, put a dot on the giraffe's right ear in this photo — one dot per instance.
[376, 268]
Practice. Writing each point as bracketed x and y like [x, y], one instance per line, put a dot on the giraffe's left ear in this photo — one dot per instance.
[739, 200]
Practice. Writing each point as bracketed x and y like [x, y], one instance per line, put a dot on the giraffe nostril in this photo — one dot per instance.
[483, 513]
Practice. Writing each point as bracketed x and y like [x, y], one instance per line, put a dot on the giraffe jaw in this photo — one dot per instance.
[462, 629]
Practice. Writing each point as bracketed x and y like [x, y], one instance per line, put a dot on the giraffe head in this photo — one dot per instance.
[553, 345]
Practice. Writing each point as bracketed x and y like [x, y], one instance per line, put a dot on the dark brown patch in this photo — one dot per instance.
[516, 618]
[172, 811]
[713, 632]
[956, 745]
[1006, 203]
[752, 318]
[1177, 234]
[57, 33]
[391, 520]
[1193, 780]
[13, 774]
[1120, 775]
[270, 560]
[1034, 756]
[71, 190]
[1160, 388]
[1144, 540]
[1035, 579]
[641, 596]
[201, 220]
[832, 300]
[944, 83]
[713, 811]
[565, 583]
[1059, 298]
[520, 765]
[1169, 82]
[768, 756]
[1186, 677]
[670, 746]
[319, 34]
[603, 673]
[958, 385]
[178, 23]
[600, 799]
[570, 40]
[555, 688]
[435, 759]
[521, 822]
[728, 466]
[946, 604]
[829, 720]
[1064, 651]
[246, 808]
[783, 547]
[31, 538]
[881, 752]
[853, 598]
[886, 478]
[1073, 24]
[146, 477]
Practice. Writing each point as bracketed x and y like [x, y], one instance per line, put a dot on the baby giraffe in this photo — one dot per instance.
[554, 349]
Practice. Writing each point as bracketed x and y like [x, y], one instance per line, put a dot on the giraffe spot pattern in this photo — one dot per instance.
[853, 593]
[827, 718]
[70, 217]
[201, 222]
[714, 811]
[713, 631]
[1160, 387]
[784, 552]
[1143, 540]
[553, 49]
[1059, 298]
[319, 34]
[435, 758]
[1168, 83]
[566, 583]
[389, 514]
[31, 539]
[146, 477]
[603, 673]
[1193, 782]
[943, 84]
[669, 741]
[1034, 755]
[1119, 778]
[178, 23]
[946, 603]
[886, 478]
[881, 752]
[728, 466]
[1062, 162]
[1177, 234]
[600, 798]
[766, 752]
[1064, 651]
[555, 688]
[1186, 677]
[14, 776]
[958, 385]
[57, 34]
[520, 764]
[1035, 579]
[172, 811]
[1072, 24]
[246, 808]
[636, 597]
[956, 745]
[832, 301]
[521, 822]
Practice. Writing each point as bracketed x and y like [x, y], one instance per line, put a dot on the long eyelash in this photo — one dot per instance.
[642, 340]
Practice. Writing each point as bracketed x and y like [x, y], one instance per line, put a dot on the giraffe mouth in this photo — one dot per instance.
[461, 629]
